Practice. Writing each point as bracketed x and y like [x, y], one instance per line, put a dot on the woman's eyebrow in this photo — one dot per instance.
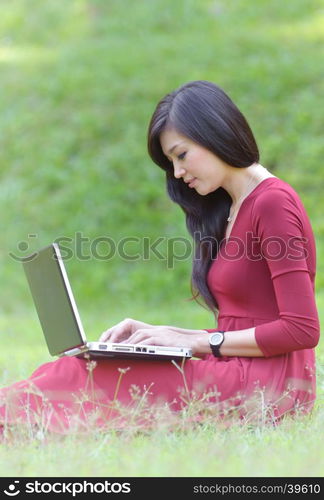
[173, 147]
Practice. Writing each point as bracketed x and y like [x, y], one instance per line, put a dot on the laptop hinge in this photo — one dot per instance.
[75, 351]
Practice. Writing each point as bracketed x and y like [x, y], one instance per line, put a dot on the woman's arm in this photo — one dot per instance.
[286, 238]
[237, 343]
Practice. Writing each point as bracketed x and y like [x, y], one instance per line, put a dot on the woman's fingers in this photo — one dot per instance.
[119, 332]
[152, 337]
[123, 330]
[160, 336]
[139, 336]
[133, 332]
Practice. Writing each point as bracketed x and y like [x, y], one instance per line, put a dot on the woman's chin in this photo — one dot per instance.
[203, 191]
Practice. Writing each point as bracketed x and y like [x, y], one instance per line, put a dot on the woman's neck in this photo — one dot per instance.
[241, 181]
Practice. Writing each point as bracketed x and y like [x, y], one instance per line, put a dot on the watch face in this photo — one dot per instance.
[216, 338]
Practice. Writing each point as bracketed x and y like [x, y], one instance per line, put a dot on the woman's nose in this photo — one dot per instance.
[178, 171]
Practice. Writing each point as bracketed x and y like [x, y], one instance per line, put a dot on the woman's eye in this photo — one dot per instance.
[181, 156]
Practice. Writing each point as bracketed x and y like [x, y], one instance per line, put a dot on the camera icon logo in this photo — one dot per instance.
[12, 490]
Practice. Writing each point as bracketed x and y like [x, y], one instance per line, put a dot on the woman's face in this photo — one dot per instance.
[201, 169]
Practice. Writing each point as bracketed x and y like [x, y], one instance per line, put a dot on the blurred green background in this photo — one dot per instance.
[79, 82]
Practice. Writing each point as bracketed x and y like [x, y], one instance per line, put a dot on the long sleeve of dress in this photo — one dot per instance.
[284, 234]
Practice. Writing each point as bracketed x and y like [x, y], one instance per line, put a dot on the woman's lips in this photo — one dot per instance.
[192, 182]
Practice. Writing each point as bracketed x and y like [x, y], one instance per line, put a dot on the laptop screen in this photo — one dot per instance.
[54, 301]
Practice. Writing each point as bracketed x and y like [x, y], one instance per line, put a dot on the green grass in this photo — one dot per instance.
[206, 451]
[79, 81]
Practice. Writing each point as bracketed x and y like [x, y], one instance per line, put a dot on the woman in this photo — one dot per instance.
[254, 267]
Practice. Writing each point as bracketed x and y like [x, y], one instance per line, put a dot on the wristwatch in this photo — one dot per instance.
[215, 341]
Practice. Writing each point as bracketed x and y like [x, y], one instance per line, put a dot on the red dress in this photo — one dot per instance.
[263, 277]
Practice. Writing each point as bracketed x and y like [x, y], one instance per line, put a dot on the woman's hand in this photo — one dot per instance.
[162, 335]
[123, 330]
[132, 331]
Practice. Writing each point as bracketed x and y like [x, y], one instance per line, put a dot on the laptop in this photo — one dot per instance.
[60, 320]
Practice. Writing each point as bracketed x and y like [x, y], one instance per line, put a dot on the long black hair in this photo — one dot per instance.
[203, 112]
